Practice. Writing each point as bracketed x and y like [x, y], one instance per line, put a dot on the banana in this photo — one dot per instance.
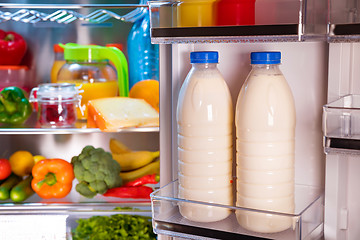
[151, 168]
[133, 160]
[118, 147]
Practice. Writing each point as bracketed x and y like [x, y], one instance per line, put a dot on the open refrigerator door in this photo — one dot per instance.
[301, 32]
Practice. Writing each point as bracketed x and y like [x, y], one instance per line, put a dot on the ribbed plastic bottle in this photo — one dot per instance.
[265, 144]
[143, 56]
[204, 124]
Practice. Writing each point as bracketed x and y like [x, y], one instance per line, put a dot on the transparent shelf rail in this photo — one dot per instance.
[347, 32]
[341, 125]
[307, 221]
[304, 21]
[344, 23]
[64, 13]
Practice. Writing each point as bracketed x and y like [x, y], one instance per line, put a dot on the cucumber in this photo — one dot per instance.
[22, 190]
[6, 186]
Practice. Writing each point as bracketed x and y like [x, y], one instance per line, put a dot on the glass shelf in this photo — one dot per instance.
[73, 202]
[70, 130]
[307, 221]
[278, 20]
[341, 125]
[31, 127]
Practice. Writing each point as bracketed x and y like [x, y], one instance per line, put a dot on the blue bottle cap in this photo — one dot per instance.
[204, 57]
[265, 57]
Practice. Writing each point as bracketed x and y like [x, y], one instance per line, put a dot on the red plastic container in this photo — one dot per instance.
[234, 12]
[14, 75]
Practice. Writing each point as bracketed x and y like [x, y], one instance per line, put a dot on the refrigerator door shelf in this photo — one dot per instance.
[347, 32]
[307, 219]
[341, 125]
[344, 21]
[275, 20]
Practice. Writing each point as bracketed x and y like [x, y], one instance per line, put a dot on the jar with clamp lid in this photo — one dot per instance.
[57, 103]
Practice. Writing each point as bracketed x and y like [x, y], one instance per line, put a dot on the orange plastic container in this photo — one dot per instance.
[195, 13]
[59, 61]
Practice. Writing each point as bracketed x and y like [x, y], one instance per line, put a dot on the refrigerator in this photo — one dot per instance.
[318, 40]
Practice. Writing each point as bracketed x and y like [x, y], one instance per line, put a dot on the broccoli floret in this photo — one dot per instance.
[83, 189]
[96, 171]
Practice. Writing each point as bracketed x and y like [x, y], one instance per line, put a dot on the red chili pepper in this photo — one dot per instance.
[129, 192]
[12, 48]
[147, 179]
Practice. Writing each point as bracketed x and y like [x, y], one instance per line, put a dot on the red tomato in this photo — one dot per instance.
[5, 168]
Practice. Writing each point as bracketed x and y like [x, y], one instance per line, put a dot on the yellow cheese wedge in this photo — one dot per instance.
[112, 114]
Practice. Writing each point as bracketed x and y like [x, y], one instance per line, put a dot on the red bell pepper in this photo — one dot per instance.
[12, 48]
[147, 179]
[129, 192]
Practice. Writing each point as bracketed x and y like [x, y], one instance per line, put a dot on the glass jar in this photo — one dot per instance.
[89, 68]
[56, 103]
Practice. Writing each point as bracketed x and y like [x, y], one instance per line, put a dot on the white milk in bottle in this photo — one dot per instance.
[265, 146]
[204, 124]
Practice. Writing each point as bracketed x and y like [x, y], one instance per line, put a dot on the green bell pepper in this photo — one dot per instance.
[15, 108]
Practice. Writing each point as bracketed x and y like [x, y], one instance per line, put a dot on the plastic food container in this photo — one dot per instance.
[234, 12]
[13, 76]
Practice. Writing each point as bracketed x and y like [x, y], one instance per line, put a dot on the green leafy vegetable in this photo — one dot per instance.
[114, 227]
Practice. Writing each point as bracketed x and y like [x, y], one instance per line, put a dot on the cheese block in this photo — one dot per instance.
[114, 113]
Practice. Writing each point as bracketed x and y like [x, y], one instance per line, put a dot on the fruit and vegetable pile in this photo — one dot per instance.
[120, 173]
